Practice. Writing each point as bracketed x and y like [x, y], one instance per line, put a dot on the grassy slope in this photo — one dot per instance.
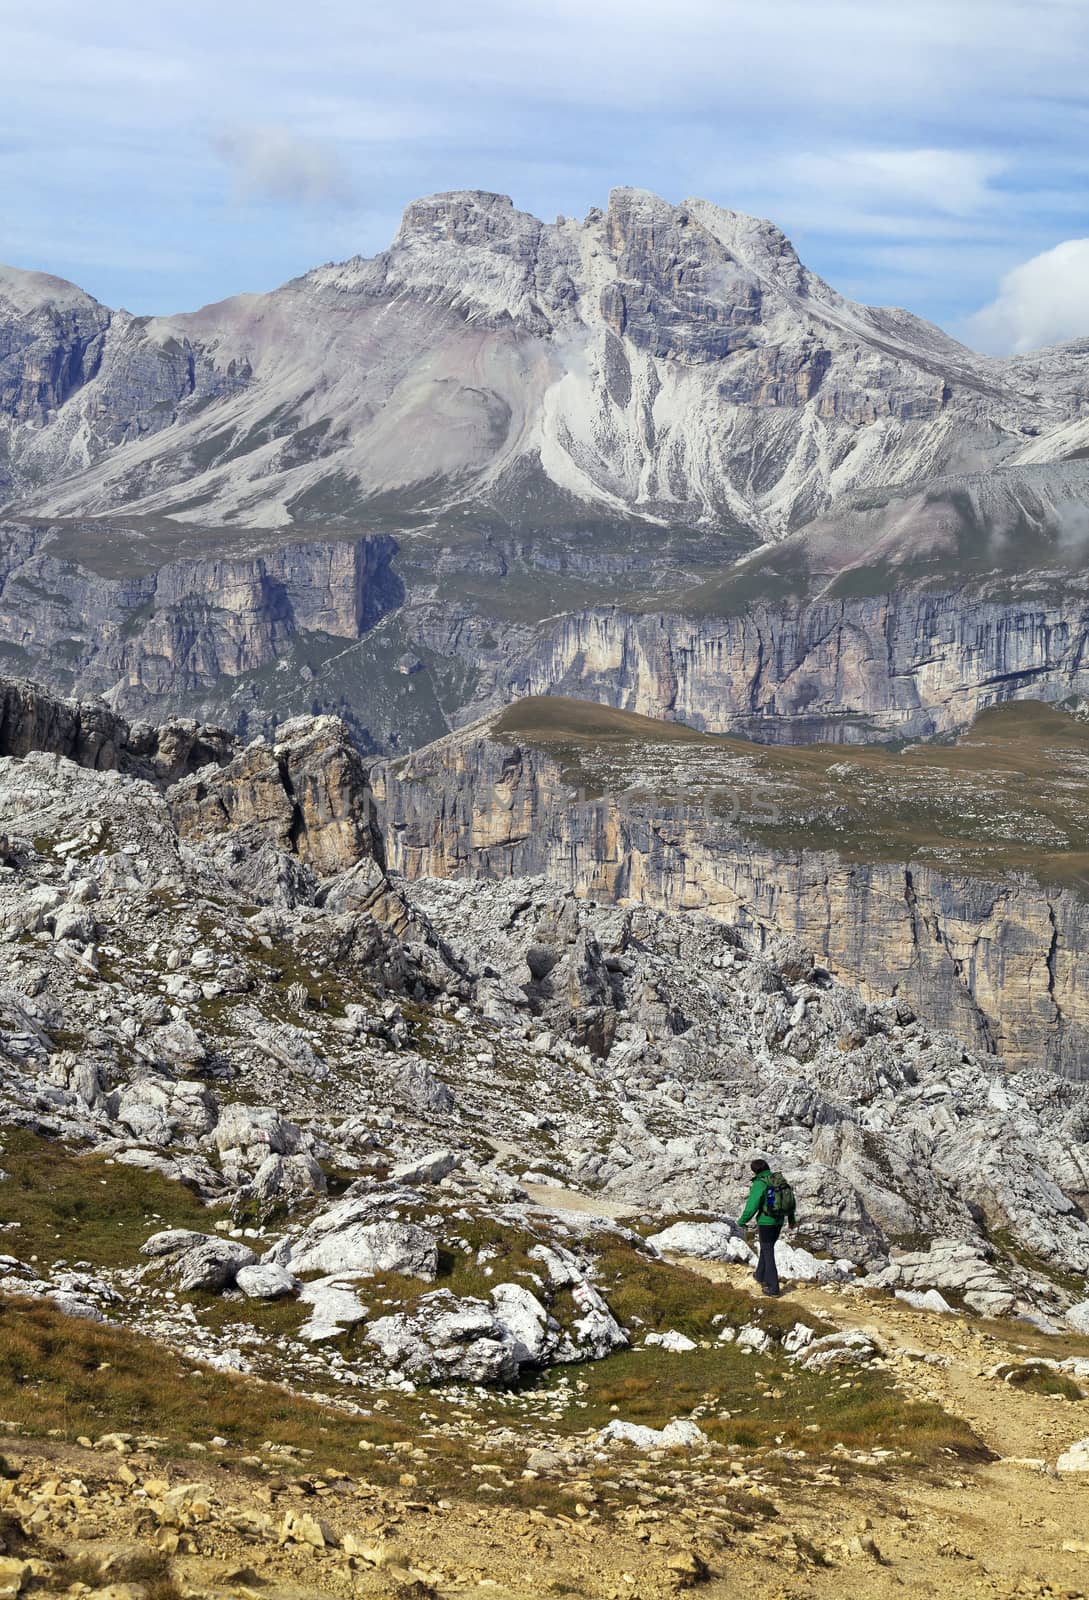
[1008, 796]
[64, 1375]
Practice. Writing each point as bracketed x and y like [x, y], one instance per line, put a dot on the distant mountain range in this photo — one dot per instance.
[646, 458]
[676, 364]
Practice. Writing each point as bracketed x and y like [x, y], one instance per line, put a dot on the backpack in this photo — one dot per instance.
[778, 1201]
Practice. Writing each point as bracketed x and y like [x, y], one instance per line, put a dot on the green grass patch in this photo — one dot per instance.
[75, 1207]
[658, 1295]
[761, 1402]
[1035, 1378]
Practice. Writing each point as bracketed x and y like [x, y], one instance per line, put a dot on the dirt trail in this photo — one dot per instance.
[1007, 1528]
[552, 1198]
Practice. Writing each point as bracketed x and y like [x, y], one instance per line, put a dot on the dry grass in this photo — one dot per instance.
[150, 1569]
[649, 1294]
[761, 1402]
[1035, 1378]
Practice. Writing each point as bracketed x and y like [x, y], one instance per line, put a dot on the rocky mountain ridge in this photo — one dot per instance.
[675, 363]
[997, 960]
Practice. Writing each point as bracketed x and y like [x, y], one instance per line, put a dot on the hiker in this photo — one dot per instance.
[771, 1202]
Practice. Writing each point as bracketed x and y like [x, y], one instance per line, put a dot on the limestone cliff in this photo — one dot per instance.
[905, 664]
[91, 735]
[89, 608]
[306, 796]
[1004, 965]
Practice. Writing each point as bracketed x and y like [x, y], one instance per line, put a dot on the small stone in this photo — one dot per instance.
[688, 1569]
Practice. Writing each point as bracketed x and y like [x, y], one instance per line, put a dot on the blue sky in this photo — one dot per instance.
[926, 154]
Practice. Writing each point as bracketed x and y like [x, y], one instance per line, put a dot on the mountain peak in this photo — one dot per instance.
[29, 291]
[463, 216]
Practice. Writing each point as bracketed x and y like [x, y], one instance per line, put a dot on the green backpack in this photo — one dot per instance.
[778, 1201]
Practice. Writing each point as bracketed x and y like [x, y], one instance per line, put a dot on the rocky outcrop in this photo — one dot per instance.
[86, 607]
[228, 640]
[1003, 965]
[91, 735]
[306, 795]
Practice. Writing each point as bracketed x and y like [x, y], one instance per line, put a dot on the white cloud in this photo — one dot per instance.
[953, 182]
[276, 164]
[1043, 301]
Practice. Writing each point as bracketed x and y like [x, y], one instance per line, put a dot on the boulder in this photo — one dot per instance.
[709, 1241]
[426, 1169]
[170, 1241]
[801, 1266]
[680, 1432]
[364, 1248]
[211, 1266]
[925, 1300]
[265, 1281]
[447, 1340]
[417, 1087]
[847, 1348]
[1076, 1458]
[532, 1332]
[256, 1131]
[671, 1340]
[199, 1260]
[174, 1044]
[281, 1182]
[1078, 1316]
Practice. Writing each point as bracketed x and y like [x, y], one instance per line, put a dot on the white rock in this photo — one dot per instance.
[532, 1331]
[671, 1340]
[336, 1307]
[444, 1340]
[847, 1348]
[427, 1169]
[925, 1300]
[678, 1432]
[1078, 1316]
[799, 1336]
[265, 1281]
[709, 1241]
[1076, 1458]
[363, 1249]
[170, 1241]
[211, 1265]
[802, 1266]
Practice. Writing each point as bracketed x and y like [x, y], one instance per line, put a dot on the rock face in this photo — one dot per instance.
[230, 639]
[672, 361]
[144, 631]
[88, 733]
[906, 664]
[1003, 965]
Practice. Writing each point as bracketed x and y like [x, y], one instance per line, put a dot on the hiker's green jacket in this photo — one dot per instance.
[754, 1204]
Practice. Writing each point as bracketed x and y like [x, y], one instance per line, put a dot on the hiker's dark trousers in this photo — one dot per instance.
[767, 1273]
